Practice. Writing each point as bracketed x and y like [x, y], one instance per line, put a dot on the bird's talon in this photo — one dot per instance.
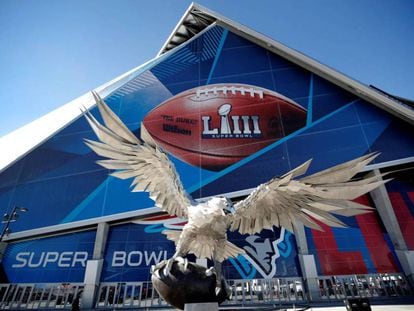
[157, 267]
[210, 271]
[157, 274]
[218, 290]
[168, 267]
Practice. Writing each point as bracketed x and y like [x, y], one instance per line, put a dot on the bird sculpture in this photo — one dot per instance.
[282, 201]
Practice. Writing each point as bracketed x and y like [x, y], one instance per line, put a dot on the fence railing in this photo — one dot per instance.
[142, 294]
[279, 290]
[366, 285]
[40, 296]
[128, 295]
[118, 295]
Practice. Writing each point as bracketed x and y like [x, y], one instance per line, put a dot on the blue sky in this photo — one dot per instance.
[54, 51]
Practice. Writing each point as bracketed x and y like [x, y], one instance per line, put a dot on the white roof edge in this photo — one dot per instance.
[332, 75]
[20, 142]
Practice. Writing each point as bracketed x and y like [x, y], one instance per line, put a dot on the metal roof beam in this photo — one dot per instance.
[193, 27]
[181, 35]
[203, 18]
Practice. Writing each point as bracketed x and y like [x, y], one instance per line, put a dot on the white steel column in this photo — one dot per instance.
[307, 262]
[386, 211]
[94, 267]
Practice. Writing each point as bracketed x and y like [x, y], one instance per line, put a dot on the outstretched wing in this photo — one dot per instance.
[283, 200]
[141, 159]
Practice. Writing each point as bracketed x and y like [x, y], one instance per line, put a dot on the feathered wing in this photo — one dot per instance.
[282, 201]
[141, 160]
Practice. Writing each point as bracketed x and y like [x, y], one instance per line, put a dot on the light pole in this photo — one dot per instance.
[9, 218]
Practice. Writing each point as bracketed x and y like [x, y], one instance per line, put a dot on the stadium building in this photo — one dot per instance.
[86, 235]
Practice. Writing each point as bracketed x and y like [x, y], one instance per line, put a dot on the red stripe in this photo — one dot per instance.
[331, 259]
[162, 217]
[371, 229]
[404, 217]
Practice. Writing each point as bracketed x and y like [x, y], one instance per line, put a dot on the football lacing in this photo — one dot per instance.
[232, 89]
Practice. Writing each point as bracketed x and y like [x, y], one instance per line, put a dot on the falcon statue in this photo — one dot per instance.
[279, 202]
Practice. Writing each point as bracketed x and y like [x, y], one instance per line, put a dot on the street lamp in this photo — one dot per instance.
[9, 218]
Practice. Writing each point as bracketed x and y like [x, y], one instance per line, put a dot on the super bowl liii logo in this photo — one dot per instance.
[233, 126]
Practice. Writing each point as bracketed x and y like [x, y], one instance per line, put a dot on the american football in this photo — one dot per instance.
[217, 125]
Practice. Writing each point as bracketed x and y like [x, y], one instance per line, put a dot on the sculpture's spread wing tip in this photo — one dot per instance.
[132, 158]
[311, 200]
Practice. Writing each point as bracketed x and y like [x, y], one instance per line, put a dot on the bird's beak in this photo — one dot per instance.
[228, 210]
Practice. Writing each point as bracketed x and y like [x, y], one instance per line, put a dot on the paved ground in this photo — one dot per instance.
[338, 308]
[406, 304]
[373, 308]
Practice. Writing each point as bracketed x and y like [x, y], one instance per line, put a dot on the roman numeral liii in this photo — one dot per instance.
[240, 124]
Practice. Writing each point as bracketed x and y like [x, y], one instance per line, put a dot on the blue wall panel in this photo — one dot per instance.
[59, 259]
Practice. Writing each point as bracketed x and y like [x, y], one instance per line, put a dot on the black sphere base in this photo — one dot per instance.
[187, 284]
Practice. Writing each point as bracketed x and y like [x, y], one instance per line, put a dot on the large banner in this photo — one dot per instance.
[231, 115]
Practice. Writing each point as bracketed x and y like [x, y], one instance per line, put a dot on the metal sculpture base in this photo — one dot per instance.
[187, 284]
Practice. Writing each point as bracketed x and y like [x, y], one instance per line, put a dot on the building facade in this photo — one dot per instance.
[87, 233]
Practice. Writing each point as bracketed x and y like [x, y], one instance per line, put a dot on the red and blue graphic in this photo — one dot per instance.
[401, 193]
[362, 248]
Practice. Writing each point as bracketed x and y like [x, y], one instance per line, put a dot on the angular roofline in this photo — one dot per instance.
[197, 17]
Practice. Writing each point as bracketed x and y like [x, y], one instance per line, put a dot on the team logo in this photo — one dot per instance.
[262, 253]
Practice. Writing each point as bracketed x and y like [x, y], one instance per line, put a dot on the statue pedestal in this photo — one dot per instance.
[204, 306]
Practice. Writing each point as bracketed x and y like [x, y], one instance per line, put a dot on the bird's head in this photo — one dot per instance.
[223, 203]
